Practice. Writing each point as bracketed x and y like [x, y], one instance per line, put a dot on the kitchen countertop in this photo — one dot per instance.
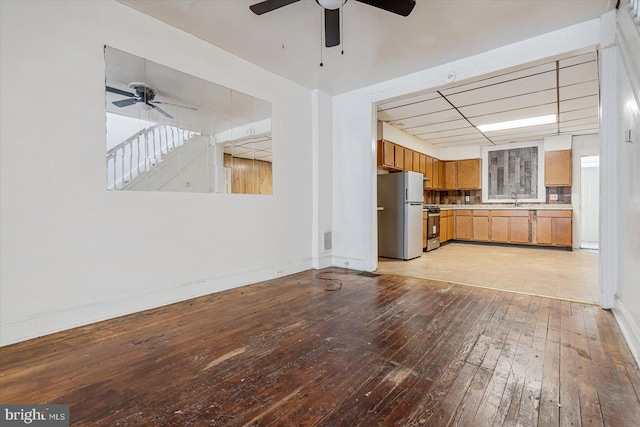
[523, 206]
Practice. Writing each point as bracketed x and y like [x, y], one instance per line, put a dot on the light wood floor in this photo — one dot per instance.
[380, 351]
[556, 273]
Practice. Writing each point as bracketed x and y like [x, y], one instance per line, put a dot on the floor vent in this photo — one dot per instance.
[326, 245]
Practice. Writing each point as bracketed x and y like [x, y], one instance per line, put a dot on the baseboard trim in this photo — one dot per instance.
[34, 325]
[630, 330]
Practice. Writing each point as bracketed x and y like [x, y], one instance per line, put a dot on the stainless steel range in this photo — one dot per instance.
[433, 227]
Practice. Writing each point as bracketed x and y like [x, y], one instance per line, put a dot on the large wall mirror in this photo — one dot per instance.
[170, 131]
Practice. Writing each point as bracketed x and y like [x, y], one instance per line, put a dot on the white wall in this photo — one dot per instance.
[583, 145]
[627, 301]
[73, 252]
[354, 167]
[405, 139]
[322, 177]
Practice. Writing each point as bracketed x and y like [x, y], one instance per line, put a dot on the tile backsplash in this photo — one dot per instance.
[458, 197]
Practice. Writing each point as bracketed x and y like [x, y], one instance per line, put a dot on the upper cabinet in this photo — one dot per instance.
[450, 175]
[557, 168]
[428, 172]
[469, 174]
[390, 155]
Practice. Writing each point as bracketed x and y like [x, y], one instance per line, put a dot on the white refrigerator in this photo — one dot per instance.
[400, 221]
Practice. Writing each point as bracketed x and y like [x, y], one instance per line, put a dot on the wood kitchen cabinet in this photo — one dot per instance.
[450, 180]
[557, 168]
[408, 159]
[446, 225]
[386, 154]
[424, 230]
[499, 227]
[468, 174]
[480, 225]
[463, 225]
[435, 175]
[509, 226]
[428, 172]
[554, 228]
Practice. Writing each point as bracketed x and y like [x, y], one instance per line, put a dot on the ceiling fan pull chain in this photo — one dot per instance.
[342, 29]
[321, 29]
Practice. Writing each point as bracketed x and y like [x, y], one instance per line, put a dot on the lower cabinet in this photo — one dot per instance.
[514, 226]
[424, 230]
[447, 226]
[554, 228]
[480, 226]
[463, 225]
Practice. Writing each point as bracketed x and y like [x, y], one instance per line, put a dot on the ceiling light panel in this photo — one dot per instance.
[508, 116]
[507, 104]
[518, 123]
[525, 131]
[414, 109]
[512, 88]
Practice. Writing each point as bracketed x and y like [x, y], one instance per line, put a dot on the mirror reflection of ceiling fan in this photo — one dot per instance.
[332, 12]
[145, 95]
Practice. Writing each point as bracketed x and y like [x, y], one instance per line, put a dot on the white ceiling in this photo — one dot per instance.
[567, 87]
[377, 45]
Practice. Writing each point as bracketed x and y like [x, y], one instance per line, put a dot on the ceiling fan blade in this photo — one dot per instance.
[331, 27]
[399, 7]
[175, 105]
[160, 110]
[269, 5]
[125, 102]
[118, 91]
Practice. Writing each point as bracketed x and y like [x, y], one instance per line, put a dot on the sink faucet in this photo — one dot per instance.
[515, 196]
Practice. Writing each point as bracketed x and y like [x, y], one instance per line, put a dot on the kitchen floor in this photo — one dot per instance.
[555, 273]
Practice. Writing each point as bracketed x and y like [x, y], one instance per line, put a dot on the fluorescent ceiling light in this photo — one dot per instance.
[532, 121]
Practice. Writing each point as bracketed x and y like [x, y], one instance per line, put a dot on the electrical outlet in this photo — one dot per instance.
[280, 273]
[346, 264]
[466, 198]
[553, 197]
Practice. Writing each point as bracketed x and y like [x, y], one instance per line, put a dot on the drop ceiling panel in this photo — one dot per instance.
[578, 59]
[405, 101]
[579, 114]
[468, 130]
[590, 101]
[504, 77]
[442, 126]
[413, 110]
[579, 90]
[428, 119]
[476, 137]
[578, 74]
[529, 92]
[517, 87]
[516, 102]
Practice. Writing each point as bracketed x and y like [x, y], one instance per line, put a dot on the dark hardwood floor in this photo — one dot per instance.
[380, 351]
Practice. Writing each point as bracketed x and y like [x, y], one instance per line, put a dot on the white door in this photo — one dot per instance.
[590, 202]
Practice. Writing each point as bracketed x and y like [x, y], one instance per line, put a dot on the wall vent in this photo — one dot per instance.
[326, 246]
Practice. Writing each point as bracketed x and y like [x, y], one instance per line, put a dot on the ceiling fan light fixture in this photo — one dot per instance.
[331, 4]
[513, 124]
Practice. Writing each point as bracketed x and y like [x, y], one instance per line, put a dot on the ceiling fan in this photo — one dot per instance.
[144, 94]
[332, 12]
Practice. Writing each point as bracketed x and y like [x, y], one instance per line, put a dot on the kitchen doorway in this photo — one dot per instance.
[589, 202]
